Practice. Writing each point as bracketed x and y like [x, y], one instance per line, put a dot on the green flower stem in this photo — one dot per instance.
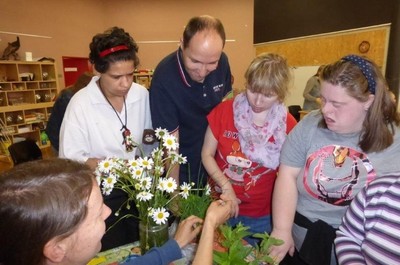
[172, 198]
[120, 219]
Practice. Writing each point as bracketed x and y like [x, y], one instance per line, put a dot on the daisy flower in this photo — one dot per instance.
[157, 154]
[106, 190]
[144, 196]
[174, 156]
[185, 189]
[136, 172]
[159, 170]
[182, 159]
[169, 142]
[208, 190]
[146, 163]
[170, 185]
[150, 210]
[133, 163]
[106, 165]
[146, 182]
[108, 183]
[178, 158]
[160, 215]
[160, 133]
[162, 184]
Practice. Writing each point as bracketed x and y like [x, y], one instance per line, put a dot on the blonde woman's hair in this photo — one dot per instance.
[268, 74]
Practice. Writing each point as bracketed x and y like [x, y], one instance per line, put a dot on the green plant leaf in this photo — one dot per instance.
[195, 204]
[220, 257]
[238, 252]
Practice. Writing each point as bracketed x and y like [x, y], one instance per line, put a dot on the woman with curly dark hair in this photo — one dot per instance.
[107, 118]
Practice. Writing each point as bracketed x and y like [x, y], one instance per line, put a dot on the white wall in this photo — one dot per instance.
[301, 75]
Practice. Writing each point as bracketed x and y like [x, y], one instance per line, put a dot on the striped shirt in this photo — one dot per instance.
[370, 231]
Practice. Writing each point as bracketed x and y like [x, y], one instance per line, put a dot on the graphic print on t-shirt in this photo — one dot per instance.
[332, 173]
[237, 163]
[240, 170]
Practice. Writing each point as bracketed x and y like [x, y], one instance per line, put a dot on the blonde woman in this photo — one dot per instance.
[243, 141]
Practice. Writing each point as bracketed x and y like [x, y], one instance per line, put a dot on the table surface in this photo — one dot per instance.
[121, 255]
[117, 255]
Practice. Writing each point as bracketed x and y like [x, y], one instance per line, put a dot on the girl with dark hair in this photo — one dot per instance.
[52, 212]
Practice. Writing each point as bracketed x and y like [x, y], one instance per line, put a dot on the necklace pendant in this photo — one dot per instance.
[126, 133]
[128, 141]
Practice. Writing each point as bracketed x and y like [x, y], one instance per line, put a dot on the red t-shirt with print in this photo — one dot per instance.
[252, 183]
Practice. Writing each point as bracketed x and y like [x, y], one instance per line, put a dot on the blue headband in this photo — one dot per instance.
[366, 69]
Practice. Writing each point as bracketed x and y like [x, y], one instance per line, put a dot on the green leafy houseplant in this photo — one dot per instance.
[237, 252]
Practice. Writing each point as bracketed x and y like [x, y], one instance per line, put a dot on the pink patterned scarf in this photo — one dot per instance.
[255, 140]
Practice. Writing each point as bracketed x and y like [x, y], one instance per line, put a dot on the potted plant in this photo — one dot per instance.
[230, 248]
[147, 183]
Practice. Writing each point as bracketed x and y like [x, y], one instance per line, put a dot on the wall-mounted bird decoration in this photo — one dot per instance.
[11, 50]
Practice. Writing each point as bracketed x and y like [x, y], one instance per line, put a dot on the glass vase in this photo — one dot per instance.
[152, 236]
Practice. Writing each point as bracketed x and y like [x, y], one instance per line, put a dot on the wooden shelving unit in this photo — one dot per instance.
[27, 94]
[143, 78]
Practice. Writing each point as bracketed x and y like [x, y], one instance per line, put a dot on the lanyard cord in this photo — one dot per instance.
[126, 133]
[116, 113]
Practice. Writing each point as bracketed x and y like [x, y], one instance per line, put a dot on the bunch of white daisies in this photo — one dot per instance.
[144, 179]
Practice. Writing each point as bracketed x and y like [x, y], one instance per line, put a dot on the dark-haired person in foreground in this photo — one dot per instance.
[52, 212]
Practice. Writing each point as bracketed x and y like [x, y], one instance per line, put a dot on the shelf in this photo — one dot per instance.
[26, 106]
[143, 78]
[27, 94]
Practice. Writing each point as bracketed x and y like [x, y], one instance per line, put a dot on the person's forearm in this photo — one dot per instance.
[208, 159]
[214, 171]
[284, 203]
[352, 233]
[204, 253]
[174, 171]
[165, 254]
[217, 213]
[348, 248]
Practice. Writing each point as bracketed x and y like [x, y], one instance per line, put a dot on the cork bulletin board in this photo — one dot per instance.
[326, 48]
[306, 54]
